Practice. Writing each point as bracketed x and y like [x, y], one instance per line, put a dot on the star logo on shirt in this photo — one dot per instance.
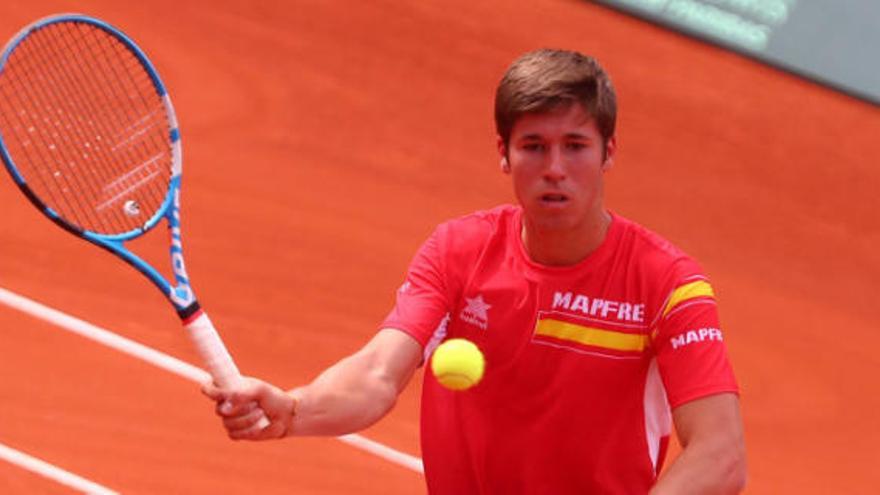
[476, 312]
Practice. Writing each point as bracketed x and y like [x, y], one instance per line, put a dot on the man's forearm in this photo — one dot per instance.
[347, 397]
[704, 470]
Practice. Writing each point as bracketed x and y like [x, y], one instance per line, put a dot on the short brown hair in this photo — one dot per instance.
[545, 79]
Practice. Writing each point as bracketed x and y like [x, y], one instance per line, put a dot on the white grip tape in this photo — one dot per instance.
[214, 354]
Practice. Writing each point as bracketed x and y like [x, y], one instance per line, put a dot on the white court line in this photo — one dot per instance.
[47, 470]
[174, 365]
[102, 336]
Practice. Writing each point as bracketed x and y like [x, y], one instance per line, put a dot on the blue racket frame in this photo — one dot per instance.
[181, 294]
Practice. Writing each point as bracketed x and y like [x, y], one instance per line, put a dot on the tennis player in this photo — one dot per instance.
[599, 335]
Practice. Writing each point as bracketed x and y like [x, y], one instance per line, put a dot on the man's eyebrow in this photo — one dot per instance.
[569, 135]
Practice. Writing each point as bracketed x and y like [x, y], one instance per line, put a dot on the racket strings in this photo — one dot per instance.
[11, 88]
[119, 86]
[115, 90]
[91, 130]
[60, 79]
[43, 66]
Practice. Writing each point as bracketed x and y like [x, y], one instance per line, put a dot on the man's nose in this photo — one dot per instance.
[555, 167]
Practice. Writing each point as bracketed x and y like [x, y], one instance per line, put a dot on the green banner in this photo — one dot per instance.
[833, 42]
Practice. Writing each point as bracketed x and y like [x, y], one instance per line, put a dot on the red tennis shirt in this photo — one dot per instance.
[583, 363]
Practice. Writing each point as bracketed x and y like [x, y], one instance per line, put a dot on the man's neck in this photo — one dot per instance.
[565, 247]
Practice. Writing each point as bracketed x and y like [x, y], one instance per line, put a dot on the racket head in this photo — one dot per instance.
[87, 129]
[86, 126]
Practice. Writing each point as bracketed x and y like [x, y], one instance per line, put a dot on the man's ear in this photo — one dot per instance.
[502, 150]
[610, 152]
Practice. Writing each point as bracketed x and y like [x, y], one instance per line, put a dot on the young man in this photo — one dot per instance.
[598, 334]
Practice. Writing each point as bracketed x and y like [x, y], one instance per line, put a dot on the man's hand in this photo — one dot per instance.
[349, 396]
[242, 407]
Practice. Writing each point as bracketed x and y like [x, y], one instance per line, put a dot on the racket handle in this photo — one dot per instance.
[215, 355]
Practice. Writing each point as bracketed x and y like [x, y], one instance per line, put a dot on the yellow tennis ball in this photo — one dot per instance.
[458, 364]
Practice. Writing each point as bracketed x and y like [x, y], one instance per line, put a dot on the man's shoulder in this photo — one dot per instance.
[480, 224]
[482, 219]
[655, 252]
[468, 235]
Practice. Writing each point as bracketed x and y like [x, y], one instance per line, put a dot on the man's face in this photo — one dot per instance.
[557, 160]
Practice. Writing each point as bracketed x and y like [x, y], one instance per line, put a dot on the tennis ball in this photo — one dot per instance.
[458, 364]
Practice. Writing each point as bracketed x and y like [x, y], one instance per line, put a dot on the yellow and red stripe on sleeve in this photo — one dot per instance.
[696, 290]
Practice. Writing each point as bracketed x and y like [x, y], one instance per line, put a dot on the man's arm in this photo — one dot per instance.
[359, 390]
[349, 396]
[713, 456]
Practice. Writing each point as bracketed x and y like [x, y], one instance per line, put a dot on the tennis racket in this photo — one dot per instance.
[89, 135]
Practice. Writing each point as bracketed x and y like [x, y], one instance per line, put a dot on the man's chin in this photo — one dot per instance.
[552, 220]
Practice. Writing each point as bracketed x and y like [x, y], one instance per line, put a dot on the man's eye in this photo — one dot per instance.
[533, 147]
[576, 146]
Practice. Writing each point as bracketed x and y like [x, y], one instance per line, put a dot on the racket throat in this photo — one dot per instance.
[190, 312]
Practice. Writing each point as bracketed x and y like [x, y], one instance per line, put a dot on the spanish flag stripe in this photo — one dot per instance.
[700, 288]
[595, 337]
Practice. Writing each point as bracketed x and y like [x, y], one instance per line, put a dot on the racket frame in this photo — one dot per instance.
[180, 294]
[200, 329]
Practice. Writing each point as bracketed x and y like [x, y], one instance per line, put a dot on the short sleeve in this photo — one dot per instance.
[422, 301]
[691, 352]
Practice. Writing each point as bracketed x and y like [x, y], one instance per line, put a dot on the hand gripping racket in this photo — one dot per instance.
[88, 133]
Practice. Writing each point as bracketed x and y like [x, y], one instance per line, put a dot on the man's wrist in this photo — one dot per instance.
[296, 397]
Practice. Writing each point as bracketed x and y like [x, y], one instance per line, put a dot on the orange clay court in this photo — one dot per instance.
[322, 143]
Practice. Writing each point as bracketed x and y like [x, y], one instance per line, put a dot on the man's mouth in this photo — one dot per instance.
[554, 198]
